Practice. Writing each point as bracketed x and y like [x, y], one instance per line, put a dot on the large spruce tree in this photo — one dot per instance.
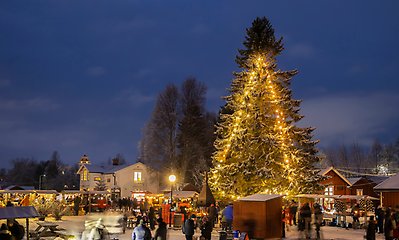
[258, 147]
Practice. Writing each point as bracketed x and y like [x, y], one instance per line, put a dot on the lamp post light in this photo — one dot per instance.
[172, 179]
[40, 181]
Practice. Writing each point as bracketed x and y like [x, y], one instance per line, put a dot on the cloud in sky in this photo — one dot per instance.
[345, 118]
[33, 104]
[301, 50]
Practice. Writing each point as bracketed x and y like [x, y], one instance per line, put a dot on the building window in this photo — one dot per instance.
[109, 180]
[97, 179]
[84, 175]
[137, 176]
[329, 191]
[359, 192]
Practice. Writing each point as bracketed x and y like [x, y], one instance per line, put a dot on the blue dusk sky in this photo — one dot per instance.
[82, 77]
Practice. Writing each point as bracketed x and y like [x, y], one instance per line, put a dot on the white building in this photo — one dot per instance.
[127, 180]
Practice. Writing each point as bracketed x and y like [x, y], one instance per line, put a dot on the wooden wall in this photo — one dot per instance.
[390, 199]
[340, 186]
[367, 187]
[262, 219]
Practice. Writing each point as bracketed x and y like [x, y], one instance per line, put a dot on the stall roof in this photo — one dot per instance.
[355, 197]
[18, 212]
[260, 197]
[29, 191]
[184, 194]
[391, 184]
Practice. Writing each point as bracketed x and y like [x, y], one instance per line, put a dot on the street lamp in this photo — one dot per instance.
[172, 179]
[40, 181]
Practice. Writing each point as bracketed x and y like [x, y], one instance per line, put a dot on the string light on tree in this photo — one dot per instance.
[259, 148]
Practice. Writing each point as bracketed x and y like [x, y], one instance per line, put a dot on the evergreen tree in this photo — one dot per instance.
[100, 185]
[258, 147]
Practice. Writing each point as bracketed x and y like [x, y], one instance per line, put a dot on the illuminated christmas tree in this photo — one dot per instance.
[258, 147]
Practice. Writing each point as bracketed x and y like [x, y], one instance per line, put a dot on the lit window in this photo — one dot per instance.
[359, 192]
[83, 177]
[329, 191]
[97, 179]
[137, 176]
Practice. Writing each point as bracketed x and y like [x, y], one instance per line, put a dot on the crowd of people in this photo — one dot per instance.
[384, 221]
[387, 223]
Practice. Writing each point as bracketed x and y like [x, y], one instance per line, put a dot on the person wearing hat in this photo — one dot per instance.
[141, 232]
[4, 233]
[189, 227]
[160, 233]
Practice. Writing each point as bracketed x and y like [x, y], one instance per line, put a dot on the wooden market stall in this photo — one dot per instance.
[259, 216]
[19, 212]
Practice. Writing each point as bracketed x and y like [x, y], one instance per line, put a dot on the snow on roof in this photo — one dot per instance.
[391, 183]
[377, 179]
[354, 180]
[325, 171]
[106, 168]
[260, 197]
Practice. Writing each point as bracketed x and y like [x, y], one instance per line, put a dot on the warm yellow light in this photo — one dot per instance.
[172, 178]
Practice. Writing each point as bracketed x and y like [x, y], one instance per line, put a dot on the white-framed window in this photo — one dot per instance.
[329, 190]
[359, 192]
[137, 177]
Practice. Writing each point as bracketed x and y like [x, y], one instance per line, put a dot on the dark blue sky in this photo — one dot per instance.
[81, 77]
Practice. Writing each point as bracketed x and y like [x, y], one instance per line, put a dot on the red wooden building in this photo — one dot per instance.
[389, 191]
[336, 183]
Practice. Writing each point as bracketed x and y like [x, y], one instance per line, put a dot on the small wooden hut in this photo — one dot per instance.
[259, 215]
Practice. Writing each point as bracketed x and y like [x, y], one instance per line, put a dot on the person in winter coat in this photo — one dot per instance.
[189, 227]
[16, 229]
[305, 214]
[389, 225]
[379, 213]
[4, 233]
[212, 214]
[206, 228]
[141, 232]
[371, 229]
[160, 233]
[227, 217]
[151, 218]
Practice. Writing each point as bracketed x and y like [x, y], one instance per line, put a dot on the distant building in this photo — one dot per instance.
[127, 180]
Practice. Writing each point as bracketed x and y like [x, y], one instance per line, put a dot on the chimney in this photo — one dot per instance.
[115, 161]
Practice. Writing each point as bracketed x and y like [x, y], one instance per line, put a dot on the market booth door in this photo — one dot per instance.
[259, 216]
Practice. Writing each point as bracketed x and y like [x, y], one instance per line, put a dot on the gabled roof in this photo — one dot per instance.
[327, 170]
[354, 180]
[377, 179]
[108, 169]
[17, 187]
[389, 184]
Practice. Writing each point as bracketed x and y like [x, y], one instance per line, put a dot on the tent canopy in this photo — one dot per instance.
[205, 198]
[18, 212]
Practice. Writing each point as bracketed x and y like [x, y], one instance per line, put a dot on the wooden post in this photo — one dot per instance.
[27, 228]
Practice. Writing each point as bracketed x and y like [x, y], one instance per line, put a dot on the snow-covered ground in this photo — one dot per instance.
[74, 225]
